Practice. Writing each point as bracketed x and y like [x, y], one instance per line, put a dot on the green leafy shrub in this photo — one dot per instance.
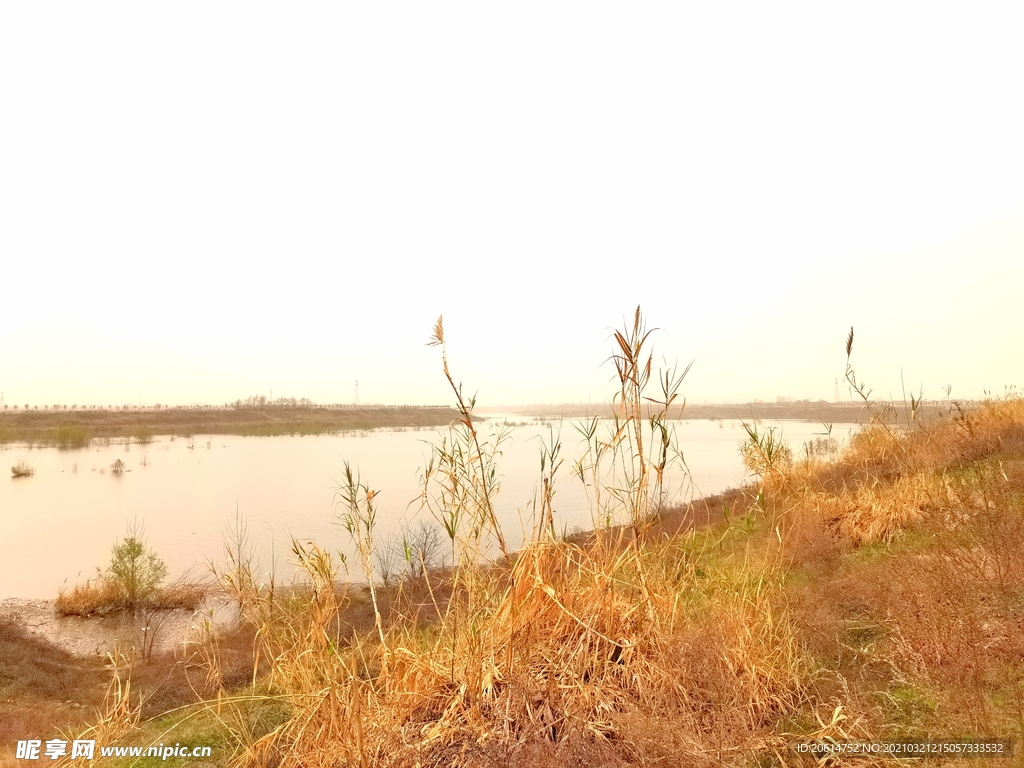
[136, 569]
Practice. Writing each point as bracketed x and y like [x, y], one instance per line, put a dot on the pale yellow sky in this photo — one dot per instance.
[200, 202]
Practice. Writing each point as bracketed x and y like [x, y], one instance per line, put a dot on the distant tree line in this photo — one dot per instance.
[261, 401]
[256, 402]
[77, 407]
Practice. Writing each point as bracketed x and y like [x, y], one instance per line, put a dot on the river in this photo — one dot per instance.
[61, 522]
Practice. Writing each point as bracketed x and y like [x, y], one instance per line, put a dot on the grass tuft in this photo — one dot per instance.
[22, 469]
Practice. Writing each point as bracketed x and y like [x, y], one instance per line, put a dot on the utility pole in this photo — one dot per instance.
[356, 399]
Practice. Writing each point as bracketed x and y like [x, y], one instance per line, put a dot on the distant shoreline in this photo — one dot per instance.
[54, 425]
[75, 428]
[802, 410]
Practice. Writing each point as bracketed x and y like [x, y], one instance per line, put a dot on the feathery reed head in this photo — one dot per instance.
[437, 338]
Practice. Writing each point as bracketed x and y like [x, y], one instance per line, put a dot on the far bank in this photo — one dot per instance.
[818, 411]
[57, 425]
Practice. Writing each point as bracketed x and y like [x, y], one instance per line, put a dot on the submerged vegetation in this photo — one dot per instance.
[22, 469]
[872, 592]
[72, 436]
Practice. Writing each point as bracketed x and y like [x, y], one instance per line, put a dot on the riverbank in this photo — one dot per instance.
[75, 428]
[60, 672]
[105, 631]
[874, 594]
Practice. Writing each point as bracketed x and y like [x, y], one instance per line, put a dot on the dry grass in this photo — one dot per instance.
[876, 593]
[42, 687]
[909, 555]
[102, 596]
[560, 653]
[97, 596]
[181, 596]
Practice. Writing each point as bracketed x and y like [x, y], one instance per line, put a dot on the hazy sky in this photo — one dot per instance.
[204, 201]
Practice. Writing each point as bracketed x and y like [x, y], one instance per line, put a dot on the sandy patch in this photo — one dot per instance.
[103, 635]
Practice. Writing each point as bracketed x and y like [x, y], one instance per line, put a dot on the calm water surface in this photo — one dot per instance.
[60, 524]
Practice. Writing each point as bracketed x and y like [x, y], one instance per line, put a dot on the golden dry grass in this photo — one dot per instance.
[102, 595]
[99, 595]
[874, 594]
